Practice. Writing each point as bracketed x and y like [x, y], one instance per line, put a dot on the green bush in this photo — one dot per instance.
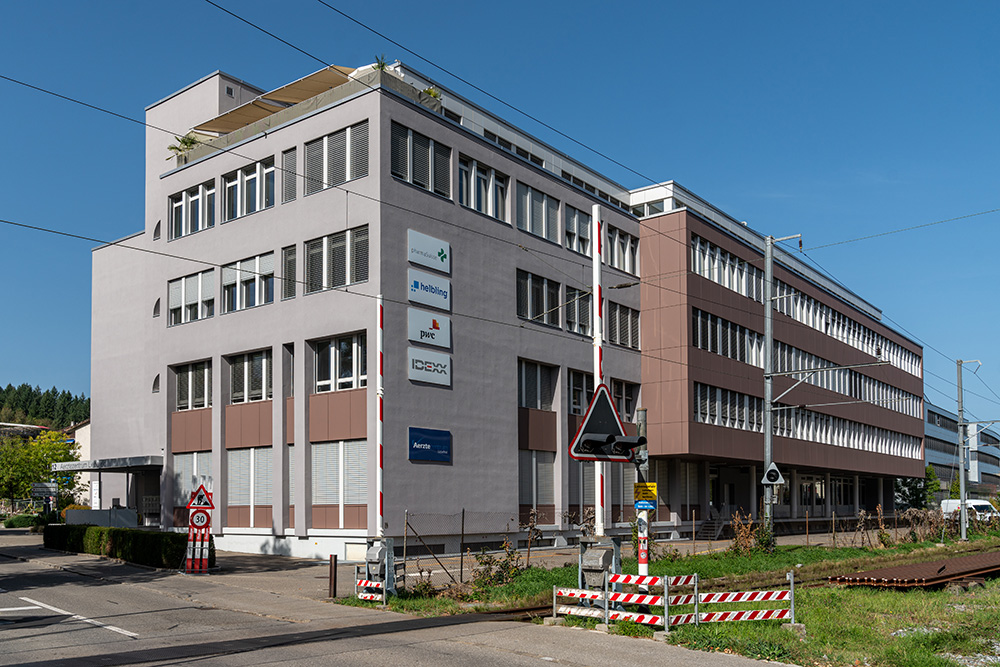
[143, 547]
[23, 521]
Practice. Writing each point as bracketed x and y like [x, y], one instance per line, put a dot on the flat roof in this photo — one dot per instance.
[124, 464]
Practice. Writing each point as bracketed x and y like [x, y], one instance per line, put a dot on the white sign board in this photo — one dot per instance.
[429, 290]
[427, 366]
[428, 251]
[429, 328]
[95, 494]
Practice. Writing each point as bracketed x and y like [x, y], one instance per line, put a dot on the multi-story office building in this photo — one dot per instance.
[983, 463]
[244, 346]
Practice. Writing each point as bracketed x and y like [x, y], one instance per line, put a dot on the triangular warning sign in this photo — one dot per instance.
[601, 420]
[201, 500]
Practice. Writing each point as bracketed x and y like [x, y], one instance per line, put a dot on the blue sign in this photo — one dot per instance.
[428, 444]
[645, 505]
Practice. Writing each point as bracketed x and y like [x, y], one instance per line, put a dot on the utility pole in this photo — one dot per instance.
[597, 298]
[769, 242]
[961, 454]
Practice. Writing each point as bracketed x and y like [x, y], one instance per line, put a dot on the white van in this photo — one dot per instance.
[982, 509]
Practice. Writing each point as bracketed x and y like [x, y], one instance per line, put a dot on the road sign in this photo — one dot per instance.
[772, 476]
[200, 519]
[601, 426]
[201, 500]
[649, 505]
[43, 489]
[644, 491]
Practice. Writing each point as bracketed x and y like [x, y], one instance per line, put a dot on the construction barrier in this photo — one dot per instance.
[608, 605]
[368, 589]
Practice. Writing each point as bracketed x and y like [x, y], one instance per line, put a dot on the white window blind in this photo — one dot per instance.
[239, 476]
[262, 468]
[355, 472]
[325, 473]
[289, 164]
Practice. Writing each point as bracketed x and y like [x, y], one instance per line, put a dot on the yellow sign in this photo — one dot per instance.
[644, 491]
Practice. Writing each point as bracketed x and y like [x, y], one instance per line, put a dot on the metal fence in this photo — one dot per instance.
[440, 548]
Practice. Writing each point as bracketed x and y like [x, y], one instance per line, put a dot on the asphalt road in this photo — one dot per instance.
[63, 609]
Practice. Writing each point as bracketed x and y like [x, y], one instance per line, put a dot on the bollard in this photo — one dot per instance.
[333, 576]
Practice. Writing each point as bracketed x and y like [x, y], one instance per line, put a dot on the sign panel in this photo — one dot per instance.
[201, 499]
[649, 505]
[200, 519]
[428, 251]
[428, 444]
[429, 290]
[772, 476]
[429, 328]
[601, 418]
[43, 489]
[644, 491]
[427, 366]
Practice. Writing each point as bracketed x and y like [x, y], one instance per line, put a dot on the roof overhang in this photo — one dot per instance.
[131, 464]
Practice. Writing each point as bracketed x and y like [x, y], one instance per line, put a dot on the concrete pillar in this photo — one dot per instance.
[303, 362]
[828, 494]
[704, 490]
[857, 495]
[281, 375]
[793, 493]
[753, 492]
[220, 461]
[881, 497]
[674, 496]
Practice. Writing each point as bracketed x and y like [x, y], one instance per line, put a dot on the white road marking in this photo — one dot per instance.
[77, 617]
[3, 609]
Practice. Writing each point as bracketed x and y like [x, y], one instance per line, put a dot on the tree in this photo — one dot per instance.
[24, 462]
[955, 489]
[916, 491]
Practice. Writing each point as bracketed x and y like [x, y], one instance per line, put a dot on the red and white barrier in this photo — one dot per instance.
[368, 589]
[601, 602]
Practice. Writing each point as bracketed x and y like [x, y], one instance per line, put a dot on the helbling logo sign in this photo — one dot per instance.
[429, 328]
[428, 251]
[427, 366]
[429, 290]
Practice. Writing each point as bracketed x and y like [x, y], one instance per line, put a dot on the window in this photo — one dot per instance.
[339, 473]
[191, 469]
[622, 251]
[420, 160]
[342, 363]
[288, 272]
[536, 385]
[581, 392]
[537, 213]
[192, 210]
[625, 395]
[191, 298]
[536, 475]
[577, 230]
[482, 188]
[250, 479]
[578, 315]
[623, 325]
[194, 385]
[289, 164]
[248, 283]
[337, 158]
[337, 260]
[250, 377]
[537, 298]
[649, 208]
[248, 190]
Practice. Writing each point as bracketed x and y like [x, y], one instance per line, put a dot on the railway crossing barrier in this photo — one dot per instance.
[378, 580]
[609, 604]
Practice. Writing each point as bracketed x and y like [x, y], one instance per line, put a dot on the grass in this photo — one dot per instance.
[844, 625]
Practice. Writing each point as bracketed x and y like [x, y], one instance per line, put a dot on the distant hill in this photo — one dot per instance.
[53, 408]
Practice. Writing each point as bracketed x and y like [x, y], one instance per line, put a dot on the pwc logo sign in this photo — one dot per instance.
[428, 328]
[427, 366]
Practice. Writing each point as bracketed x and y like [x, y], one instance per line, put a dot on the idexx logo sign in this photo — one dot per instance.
[427, 366]
[428, 251]
[429, 328]
[429, 290]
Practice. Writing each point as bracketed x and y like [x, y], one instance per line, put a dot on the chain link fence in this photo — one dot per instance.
[440, 548]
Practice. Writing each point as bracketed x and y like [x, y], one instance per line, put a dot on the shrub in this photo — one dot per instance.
[22, 521]
[143, 547]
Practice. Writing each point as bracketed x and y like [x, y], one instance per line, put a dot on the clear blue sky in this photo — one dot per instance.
[835, 121]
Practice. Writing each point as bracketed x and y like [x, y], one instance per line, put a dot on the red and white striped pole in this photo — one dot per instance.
[597, 299]
[379, 392]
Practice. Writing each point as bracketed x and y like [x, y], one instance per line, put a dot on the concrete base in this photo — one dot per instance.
[601, 627]
[796, 628]
[553, 620]
[660, 636]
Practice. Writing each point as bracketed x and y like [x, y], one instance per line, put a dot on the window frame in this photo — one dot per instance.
[236, 193]
[258, 287]
[354, 239]
[548, 290]
[332, 379]
[181, 204]
[205, 299]
[191, 371]
[526, 195]
[246, 361]
[434, 170]
[497, 188]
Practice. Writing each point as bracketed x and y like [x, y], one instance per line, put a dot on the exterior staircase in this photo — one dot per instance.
[712, 527]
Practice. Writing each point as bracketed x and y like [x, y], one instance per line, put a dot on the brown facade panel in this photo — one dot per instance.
[238, 516]
[338, 415]
[291, 516]
[536, 429]
[546, 514]
[355, 516]
[181, 515]
[262, 516]
[248, 425]
[326, 516]
[188, 432]
[290, 420]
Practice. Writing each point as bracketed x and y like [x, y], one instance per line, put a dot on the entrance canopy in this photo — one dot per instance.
[128, 464]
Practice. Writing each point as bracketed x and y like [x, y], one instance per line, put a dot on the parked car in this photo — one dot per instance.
[981, 509]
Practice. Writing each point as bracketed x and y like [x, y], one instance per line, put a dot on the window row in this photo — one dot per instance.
[731, 409]
[194, 385]
[623, 325]
[336, 158]
[621, 251]
[482, 188]
[714, 334]
[538, 298]
[420, 160]
[734, 273]
[537, 213]
[248, 283]
[248, 190]
[337, 260]
[192, 210]
[191, 298]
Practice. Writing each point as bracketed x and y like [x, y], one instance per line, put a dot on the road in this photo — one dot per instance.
[60, 609]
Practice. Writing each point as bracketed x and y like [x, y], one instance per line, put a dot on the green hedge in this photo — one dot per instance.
[22, 521]
[144, 547]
